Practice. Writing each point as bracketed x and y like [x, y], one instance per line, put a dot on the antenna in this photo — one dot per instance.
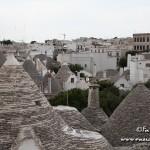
[64, 36]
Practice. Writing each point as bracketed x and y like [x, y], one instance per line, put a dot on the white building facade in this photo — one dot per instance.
[88, 60]
[41, 48]
[139, 69]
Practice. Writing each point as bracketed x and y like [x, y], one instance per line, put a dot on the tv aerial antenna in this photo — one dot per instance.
[64, 36]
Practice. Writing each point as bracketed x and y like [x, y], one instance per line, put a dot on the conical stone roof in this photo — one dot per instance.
[130, 119]
[63, 74]
[26, 114]
[55, 86]
[74, 118]
[30, 68]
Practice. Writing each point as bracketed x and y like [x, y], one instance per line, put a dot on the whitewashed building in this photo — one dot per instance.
[116, 51]
[87, 61]
[123, 84]
[70, 45]
[41, 48]
[68, 80]
[139, 68]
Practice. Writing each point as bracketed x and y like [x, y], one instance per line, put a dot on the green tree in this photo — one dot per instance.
[110, 96]
[75, 67]
[123, 62]
[76, 98]
[54, 68]
[6, 42]
[33, 42]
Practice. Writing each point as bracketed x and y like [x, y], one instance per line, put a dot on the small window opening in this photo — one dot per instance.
[72, 80]
[121, 85]
[38, 103]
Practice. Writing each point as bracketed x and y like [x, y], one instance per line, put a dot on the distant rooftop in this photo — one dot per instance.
[136, 34]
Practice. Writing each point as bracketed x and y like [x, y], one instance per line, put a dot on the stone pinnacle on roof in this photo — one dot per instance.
[132, 114]
[11, 61]
[65, 63]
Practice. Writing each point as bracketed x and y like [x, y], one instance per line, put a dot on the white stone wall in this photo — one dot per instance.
[87, 60]
[112, 63]
[71, 45]
[68, 86]
[138, 70]
[37, 49]
[134, 75]
[72, 76]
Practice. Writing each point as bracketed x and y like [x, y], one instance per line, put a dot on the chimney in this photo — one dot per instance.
[49, 83]
[78, 76]
[36, 63]
[104, 74]
[45, 61]
[121, 71]
[93, 96]
[128, 60]
[94, 70]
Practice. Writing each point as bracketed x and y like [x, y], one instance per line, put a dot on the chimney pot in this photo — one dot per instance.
[93, 96]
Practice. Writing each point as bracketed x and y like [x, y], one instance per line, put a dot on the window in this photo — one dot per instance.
[134, 47]
[121, 85]
[85, 65]
[137, 39]
[140, 39]
[143, 39]
[38, 103]
[147, 47]
[147, 39]
[143, 47]
[72, 80]
[137, 47]
[140, 47]
[134, 39]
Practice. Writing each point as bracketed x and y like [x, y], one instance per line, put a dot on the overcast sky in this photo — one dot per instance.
[47, 19]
